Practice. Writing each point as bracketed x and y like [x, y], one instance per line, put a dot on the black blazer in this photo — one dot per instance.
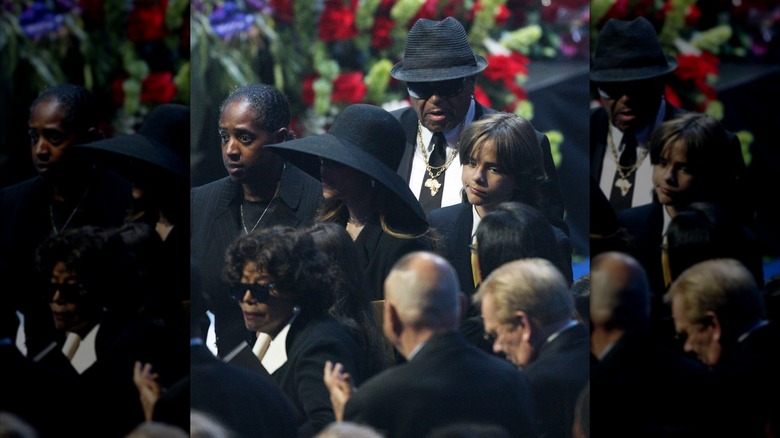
[246, 402]
[215, 223]
[643, 386]
[552, 199]
[747, 384]
[448, 381]
[557, 375]
[311, 341]
[378, 251]
[644, 225]
[454, 224]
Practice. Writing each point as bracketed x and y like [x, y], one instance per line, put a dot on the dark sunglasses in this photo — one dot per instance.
[259, 292]
[443, 89]
[70, 293]
[616, 90]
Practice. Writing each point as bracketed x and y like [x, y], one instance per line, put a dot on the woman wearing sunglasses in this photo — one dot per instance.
[91, 284]
[284, 286]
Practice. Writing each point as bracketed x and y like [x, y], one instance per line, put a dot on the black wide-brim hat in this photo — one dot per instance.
[368, 139]
[162, 141]
[629, 51]
[437, 51]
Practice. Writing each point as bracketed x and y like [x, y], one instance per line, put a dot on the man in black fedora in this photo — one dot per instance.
[629, 70]
[440, 68]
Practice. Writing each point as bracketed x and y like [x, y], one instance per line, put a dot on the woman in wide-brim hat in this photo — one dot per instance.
[356, 160]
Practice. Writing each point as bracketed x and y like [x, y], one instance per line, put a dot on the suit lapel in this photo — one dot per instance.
[408, 121]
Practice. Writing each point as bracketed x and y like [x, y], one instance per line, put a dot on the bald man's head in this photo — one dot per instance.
[423, 287]
[620, 292]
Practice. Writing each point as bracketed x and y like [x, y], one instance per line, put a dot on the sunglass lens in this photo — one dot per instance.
[259, 292]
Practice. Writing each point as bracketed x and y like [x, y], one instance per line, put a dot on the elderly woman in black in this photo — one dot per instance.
[283, 284]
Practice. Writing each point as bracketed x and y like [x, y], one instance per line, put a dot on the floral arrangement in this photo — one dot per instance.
[136, 54]
[327, 54]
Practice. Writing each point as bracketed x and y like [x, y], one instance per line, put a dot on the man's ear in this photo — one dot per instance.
[715, 323]
[282, 134]
[521, 322]
[391, 314]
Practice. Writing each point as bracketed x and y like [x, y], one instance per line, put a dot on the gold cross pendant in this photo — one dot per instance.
[624, 185]
[433, 185]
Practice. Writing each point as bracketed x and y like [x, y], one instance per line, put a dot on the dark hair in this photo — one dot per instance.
[518, 152]
[515, 231]
[80, 105]
[272, 110]
[98, 256]
[704, 231]
[301, 272]
[710, 154]
[351, 302]
[580, 290]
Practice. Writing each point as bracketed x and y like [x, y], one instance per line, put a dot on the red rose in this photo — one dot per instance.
[481, 97]
[380, 35]
[307, 93]
[337, 21]
[117, 92]
[283, 10]
[93, 10]
[502, 15]
[691, 67]
[349, 88]
[158, 88]
[147, 20]
[672, 97]
[504, 68]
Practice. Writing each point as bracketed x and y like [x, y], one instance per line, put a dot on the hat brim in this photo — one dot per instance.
[633, 74]
[437, 74]
[117, 152]
[305, 153]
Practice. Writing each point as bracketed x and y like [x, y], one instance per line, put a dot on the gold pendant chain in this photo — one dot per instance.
[625, 171]
[432, 183]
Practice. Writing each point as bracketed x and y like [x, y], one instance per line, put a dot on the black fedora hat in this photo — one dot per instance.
[437, 51]
[162, 141]
[629, 51]
[368, 139]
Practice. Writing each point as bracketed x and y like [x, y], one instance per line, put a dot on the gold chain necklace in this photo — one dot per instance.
[432, 182]
[625, 171]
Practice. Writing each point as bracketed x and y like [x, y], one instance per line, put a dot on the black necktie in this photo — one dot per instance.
[623, 188]
[428, 200]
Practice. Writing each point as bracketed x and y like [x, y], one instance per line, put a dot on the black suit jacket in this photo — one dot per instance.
[34, 392]
[552, 200]
[215, 223]
[378, 251]
[644, 225]
[25, 222]
[448, 381]
[747, 384]
[249, 404]
[311, 341]
[644, 387]
[454, 224]
[557, 375]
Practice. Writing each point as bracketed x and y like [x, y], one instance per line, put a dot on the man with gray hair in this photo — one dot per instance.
[633, 371]
[445, 379]
[529, 313]
[719, 311]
